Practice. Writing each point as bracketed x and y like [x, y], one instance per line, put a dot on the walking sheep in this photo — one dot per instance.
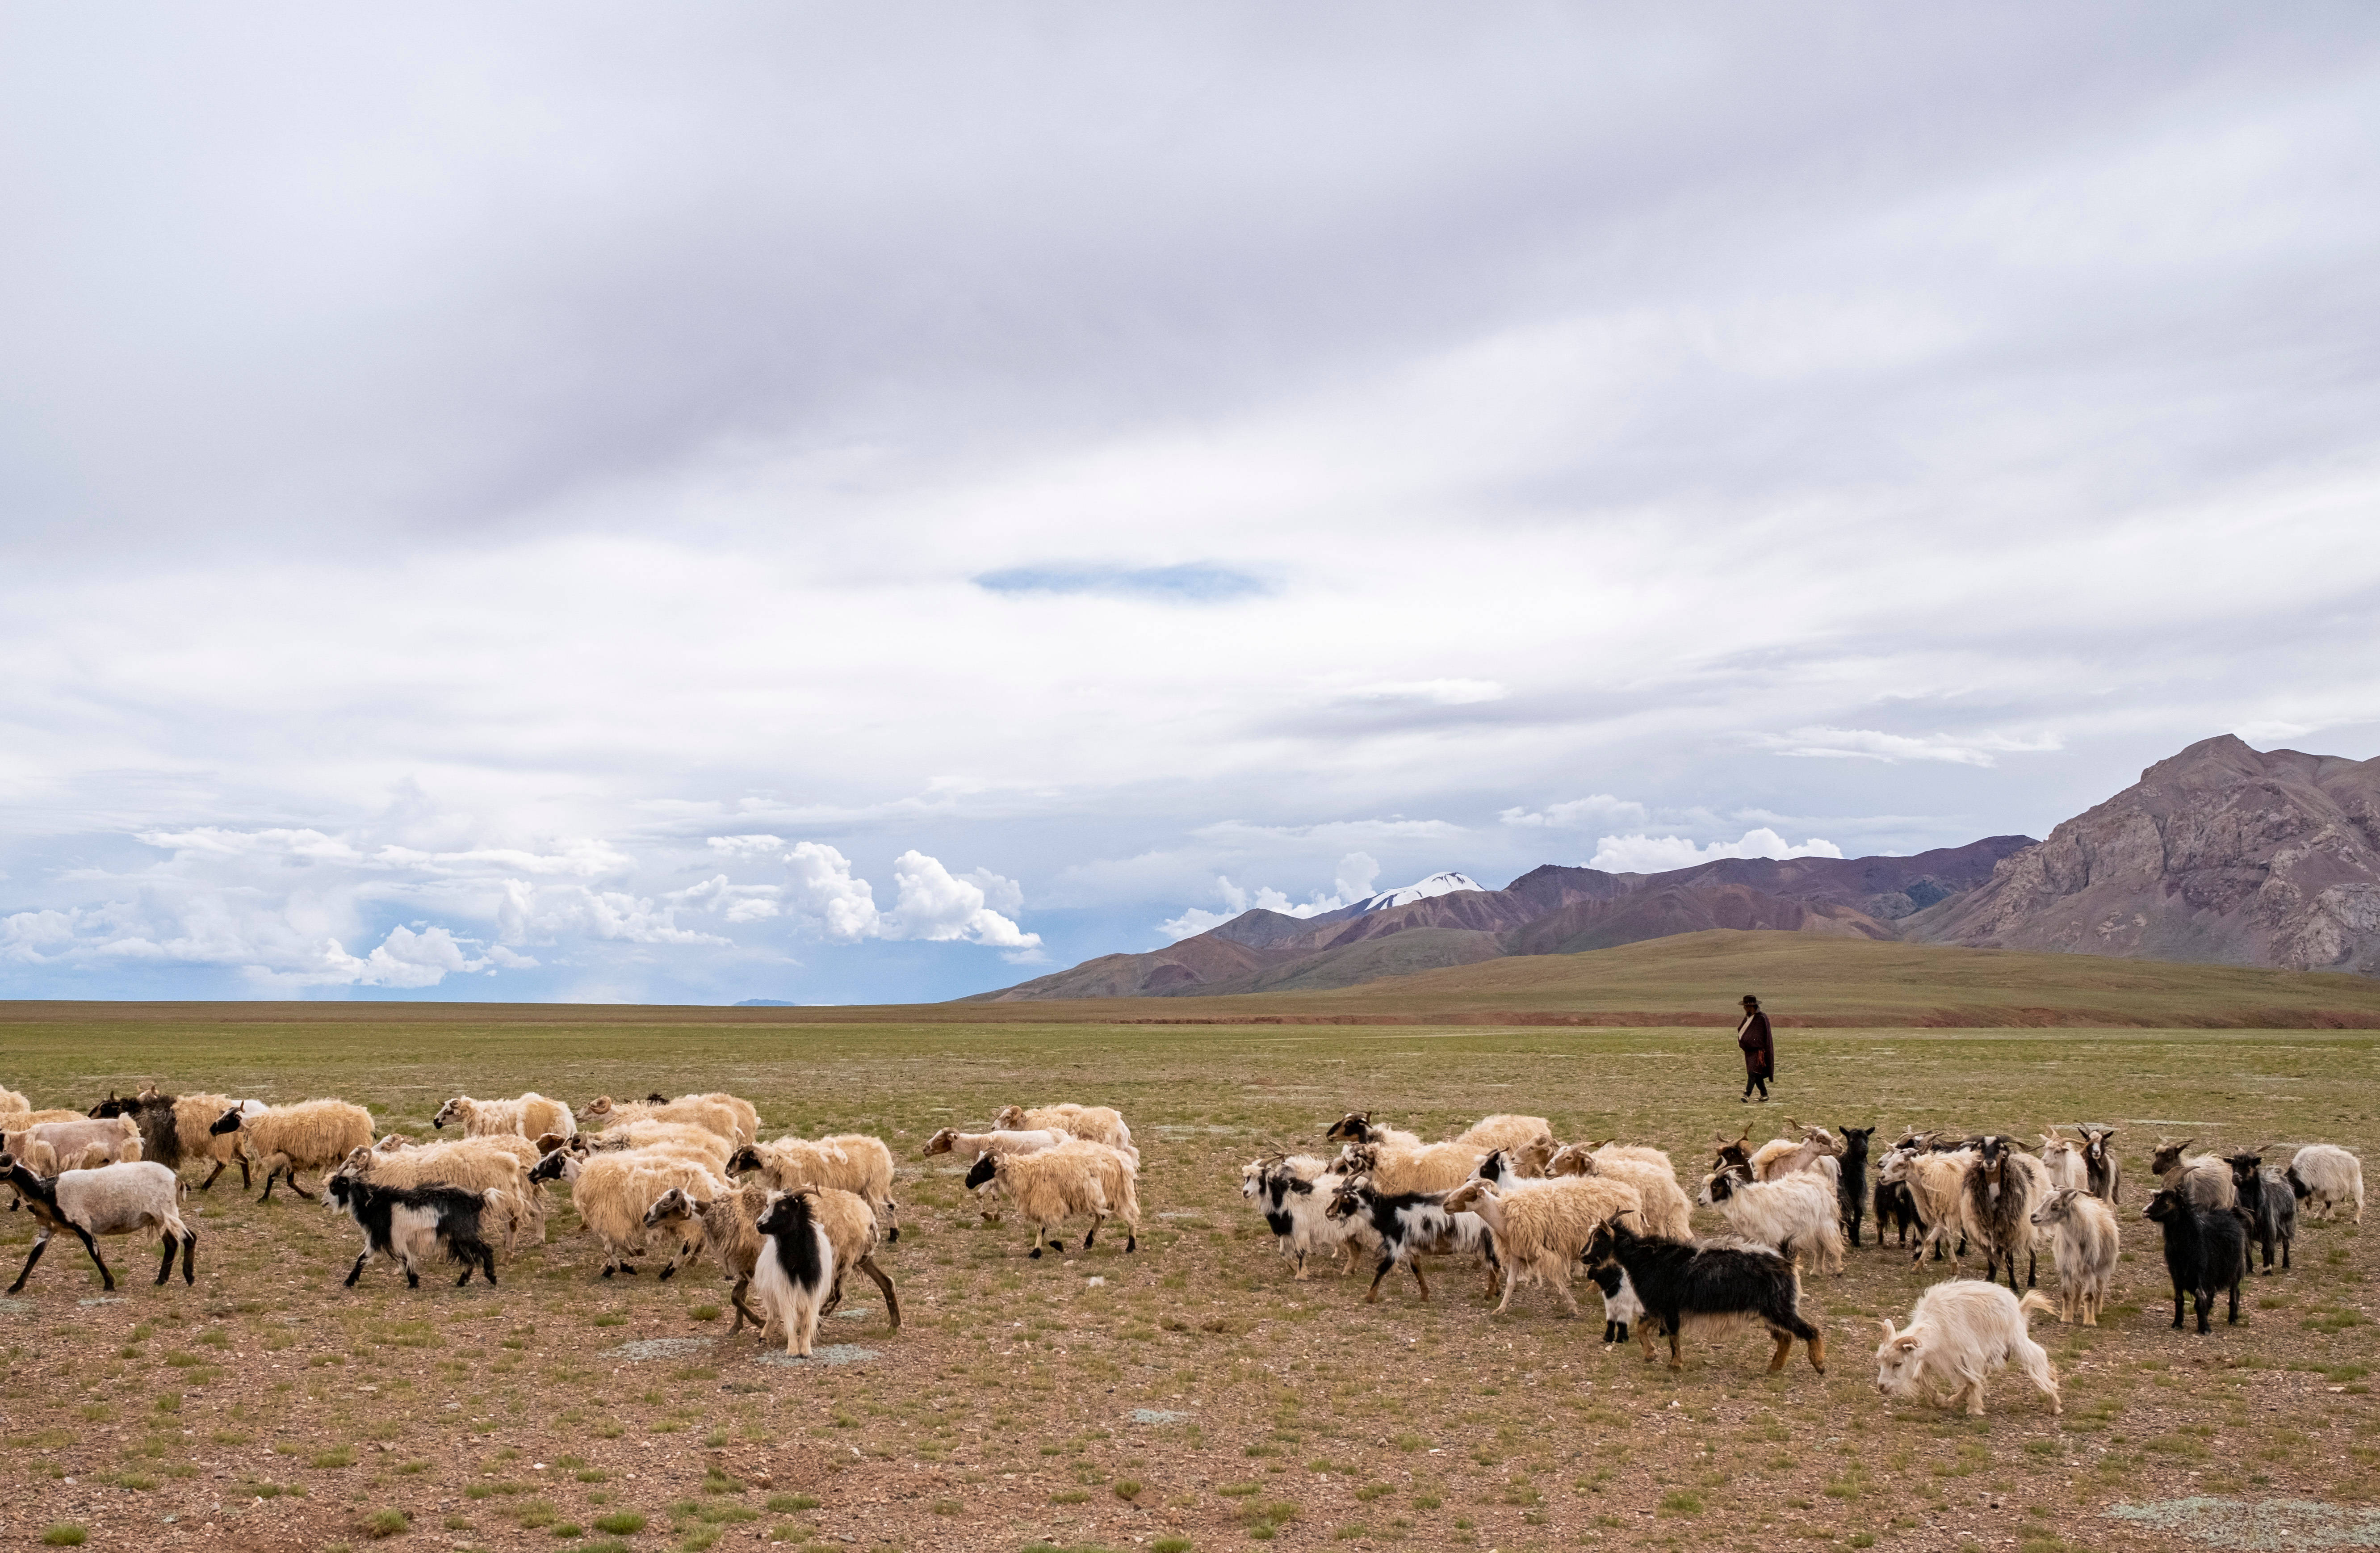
[117, 1199]
[1541, 1228]
[1091, 1123]
[852, 1163]
[527, 1116]
[310, 1135]
[1054, 1184]
[2324, 1176]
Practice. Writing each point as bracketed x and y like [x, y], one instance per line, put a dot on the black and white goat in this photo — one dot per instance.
[1708, 1284]
[408, 1224]
[2205, 1252]
[1411, 1225]
[1621, 1308]
[2267, 1199]
[2103, 1172]
[796, 1268]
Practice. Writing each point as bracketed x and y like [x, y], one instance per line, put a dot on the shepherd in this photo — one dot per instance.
[1759, 1050]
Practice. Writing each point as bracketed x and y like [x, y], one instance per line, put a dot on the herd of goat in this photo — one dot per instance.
[790, 1219]
[1531, 1207]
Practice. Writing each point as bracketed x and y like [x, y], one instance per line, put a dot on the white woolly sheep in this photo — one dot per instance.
[1542, 1227]
[672, 1137]
[1511, 1133]
[527, 1116]
[1795, 1213]
[12, 1103]
[1667, 1211]
[729, 1224]
[117, 1199]
[2084, 1241]
[309, 1136]
[1091, 1123]
[725, 1114]
[1054, 1184]
[1961, 1333]
[2324, 1176]
[614, 1192]
[1435, 1167]
[852, 1163]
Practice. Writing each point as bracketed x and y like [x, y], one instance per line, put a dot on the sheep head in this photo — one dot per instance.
[942, 1142]
[453, 1110]
[673, 1203]
[1008, 1119]
[597, 1109]
[1463, 1198]
[229, 1122]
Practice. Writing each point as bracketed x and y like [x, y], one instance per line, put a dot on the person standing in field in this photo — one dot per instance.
[1759, 1049]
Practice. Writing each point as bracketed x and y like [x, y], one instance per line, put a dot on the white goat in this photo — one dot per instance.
[1961, 1333]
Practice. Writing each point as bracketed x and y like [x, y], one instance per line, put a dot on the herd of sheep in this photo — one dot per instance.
[1531, 1207]
[788, 1220]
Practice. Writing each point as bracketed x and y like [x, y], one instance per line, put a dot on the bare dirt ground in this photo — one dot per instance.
[1188, 1396]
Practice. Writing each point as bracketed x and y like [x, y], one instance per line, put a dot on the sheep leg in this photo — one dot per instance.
[189, 1257]
[1560, 1276]
[892, 1301]
[40, 1244]
[269, 1176]
[107, 1279]
[1093, 1233]
[309, 1197]
[1131, 1236]
[172, 1244]
[210, 1180]
[1039, 1231]
[1511, 1282]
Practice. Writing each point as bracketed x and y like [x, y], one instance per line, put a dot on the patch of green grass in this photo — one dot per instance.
[385, 1524]
[64, 1533]
[620, 1522]
[1682, 1503]
[785, 1503]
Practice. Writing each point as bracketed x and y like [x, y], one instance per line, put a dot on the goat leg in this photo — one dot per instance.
[892, 1301]
[1415, 1264]
[1388, 1266]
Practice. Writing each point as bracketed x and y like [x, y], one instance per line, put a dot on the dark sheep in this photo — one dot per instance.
[1896, 1210]
[1851, 1185]
[161, 1138]
[2205, 1252]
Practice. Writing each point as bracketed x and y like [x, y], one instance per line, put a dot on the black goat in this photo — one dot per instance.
[1678, 1282]
[1896, 1209]
[404, 1223]
[1851, 1185]
[2205, 1252]
[2268, 1200]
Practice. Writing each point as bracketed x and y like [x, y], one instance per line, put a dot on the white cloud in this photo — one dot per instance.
[939, 907]
[1579, 814]
[1433, 692]
[824, 891]
[737, 903]
[1653, 855]
[1356, 871]
[748, 846]
[1863, 743]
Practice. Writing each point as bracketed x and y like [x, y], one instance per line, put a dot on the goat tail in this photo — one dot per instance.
[2035, 1300]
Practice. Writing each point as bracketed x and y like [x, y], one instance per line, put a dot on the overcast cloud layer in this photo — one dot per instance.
[843, 505]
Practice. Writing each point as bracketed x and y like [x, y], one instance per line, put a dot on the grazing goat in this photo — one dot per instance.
[2084, 1241]
[1541, 1228]
[116, 1199]
[1434, 1166]
[1794, 1213]
[2104, 1171]
[310, 1135]
[1409, 1226]
[1667, 1211]
[1961, 1333]
[1708, 1285]
[1053, 1184]
[405, 1224]
[1850, 1182]
[2003, 1190]
[852, 1163]
[2204, 1180]
[2323, 1175]
[2265, 1198]
[2063, 1159]
[1091, 1123]
[2205, 1252]
[796, 1268]
[529, 1116]
[1357, 1126]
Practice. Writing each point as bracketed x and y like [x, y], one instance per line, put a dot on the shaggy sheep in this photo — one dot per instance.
[1078, 1176]
[1542, 1227]
[1794, 1213]
[1667, 1211]
[527, 1116]
[731, 1118]
[408, 1224]
[12, 1103]
[310, 1135]
[1511, 1133]
[117, 1199]
[2084, 1242]
[950, 1140]
[86, 1143]
[670, 1138]
[796, 1268]
[1961, 1333]
[1434, 1166]
[612, 1192]
[729, 1224]
[1091, 1123]
[1708, 1285]
[2323, 1176]
[849, 1161]
[484, 1166]
[2203, 1179]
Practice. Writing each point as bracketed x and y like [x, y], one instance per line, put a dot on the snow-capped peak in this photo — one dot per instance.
[1445, 883]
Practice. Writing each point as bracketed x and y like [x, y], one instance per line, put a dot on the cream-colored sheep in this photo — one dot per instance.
[483, 1165]
[680, 1137]
[1511, 1133]
[848, 1161]
[1542, 1227]
[1052, 1186]
[86, 1142]
[529, 1116]
[309, 1136]
[614, 1192]
[1666, 1212]
[1092, 1124]
[731, 1119]
[1434, 1166]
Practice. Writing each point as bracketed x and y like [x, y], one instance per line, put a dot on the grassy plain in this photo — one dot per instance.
[1196, 1398]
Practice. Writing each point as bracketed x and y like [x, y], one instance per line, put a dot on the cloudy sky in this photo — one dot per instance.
[860, 503]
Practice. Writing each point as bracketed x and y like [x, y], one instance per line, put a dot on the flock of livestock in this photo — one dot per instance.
[1531, 1207]
[789, 1219]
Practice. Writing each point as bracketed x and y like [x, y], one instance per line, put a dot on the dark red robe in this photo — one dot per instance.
[1759, 1050]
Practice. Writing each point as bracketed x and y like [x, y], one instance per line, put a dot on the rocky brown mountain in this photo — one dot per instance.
[2221, 854]
[1551, 910]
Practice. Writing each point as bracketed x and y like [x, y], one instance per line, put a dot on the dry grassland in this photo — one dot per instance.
[1193, 1399]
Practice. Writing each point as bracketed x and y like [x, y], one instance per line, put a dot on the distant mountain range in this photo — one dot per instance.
[2219, 855]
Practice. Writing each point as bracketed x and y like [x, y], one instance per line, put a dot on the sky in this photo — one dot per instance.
[869, 505]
